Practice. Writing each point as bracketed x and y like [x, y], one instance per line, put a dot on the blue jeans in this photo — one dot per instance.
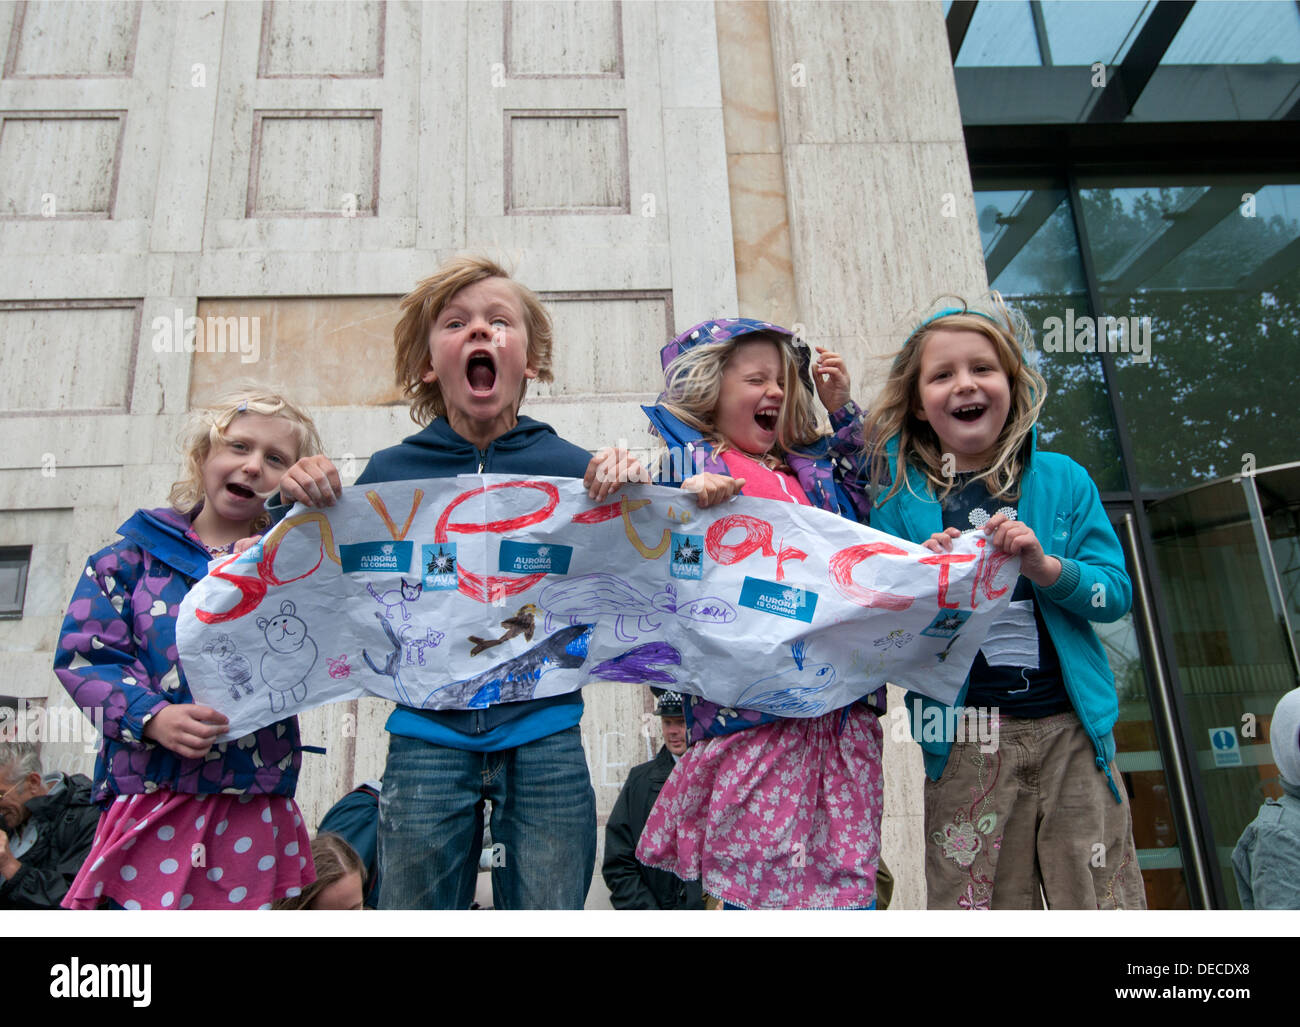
[431, 824]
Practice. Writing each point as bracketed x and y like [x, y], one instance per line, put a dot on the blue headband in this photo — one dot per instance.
[945, 312]
[949, 312]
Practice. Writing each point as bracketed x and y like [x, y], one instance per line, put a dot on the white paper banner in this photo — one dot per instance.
[457, 593]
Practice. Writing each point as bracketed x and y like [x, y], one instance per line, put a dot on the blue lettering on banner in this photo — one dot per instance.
[376, 556]
[776, 598]
[687, 556]
[439, 566]
[531, 558]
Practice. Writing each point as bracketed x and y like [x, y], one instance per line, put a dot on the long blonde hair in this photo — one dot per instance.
[208, 426]
[693, 386]
[894, 412]
[420, 309]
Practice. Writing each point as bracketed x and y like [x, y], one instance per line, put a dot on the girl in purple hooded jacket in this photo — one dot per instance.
[767, 812]
[186, 822]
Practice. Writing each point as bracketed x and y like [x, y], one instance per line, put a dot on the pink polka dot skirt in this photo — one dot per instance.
[164, 850]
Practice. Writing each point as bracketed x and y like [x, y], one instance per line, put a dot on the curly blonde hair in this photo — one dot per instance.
[693, 386]
[420, 309]
[207, 429]
[894, 412]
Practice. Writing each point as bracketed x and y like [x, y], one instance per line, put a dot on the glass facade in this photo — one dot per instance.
[1060, 61]
[1151, 235]
[1032, 256]
[1231, 640]
[1250, 32]
[1191, 270]
[1138, 751]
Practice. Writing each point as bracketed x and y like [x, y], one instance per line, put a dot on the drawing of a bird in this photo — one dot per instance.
[520, 623]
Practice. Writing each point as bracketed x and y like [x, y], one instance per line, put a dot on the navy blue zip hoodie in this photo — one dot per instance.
[530, 447]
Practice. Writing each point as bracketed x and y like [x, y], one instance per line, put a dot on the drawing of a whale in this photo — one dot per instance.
[639, 664]
[516, 679]
[791, 691]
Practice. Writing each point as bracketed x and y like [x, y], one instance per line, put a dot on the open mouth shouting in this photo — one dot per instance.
[766, 418]
[970, 412]
[481, 372]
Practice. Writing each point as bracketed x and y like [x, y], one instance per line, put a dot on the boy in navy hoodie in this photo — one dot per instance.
[468, 343]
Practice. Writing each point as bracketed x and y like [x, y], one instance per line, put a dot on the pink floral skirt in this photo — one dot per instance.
[781, 816]
[167, 850]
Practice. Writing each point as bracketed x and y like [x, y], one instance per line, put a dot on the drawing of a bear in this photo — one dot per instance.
[292, 656]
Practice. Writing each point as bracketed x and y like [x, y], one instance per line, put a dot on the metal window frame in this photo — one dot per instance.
[20, 556]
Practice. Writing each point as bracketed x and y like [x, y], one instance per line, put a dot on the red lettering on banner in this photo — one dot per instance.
[271, 546]
[943, 561]
[758, 535]
[498, 527]
[981, 545]
[991, 561]
[607, 512]
[784, 553]
[841, 567]
[995, 563]
[253, 590]
[484, 588]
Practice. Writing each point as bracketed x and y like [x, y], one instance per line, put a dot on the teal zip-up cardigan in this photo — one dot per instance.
[1061, 504]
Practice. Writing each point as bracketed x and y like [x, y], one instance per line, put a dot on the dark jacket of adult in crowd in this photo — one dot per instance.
[632, 885]
[355, 819]
[65, 825]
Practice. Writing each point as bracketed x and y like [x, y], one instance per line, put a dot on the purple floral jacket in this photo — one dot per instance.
[117, 654]
[834, 476]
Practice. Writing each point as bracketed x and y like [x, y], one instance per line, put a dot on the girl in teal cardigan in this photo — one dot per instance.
[953, 451]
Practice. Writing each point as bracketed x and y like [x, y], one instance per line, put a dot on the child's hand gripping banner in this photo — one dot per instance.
[457, 593]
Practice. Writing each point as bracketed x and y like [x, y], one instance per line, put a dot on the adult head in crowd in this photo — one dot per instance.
[632, 885]
[47, 824]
